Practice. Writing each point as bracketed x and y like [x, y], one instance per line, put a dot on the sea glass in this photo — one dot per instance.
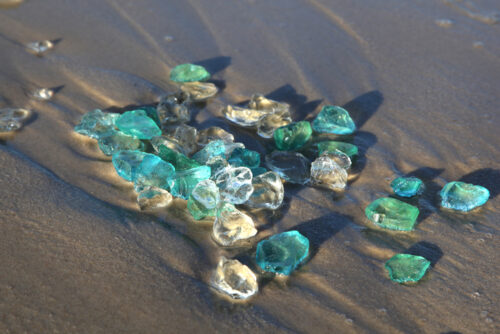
[235, 184]
[203, 200]
[12, 119]
[137, 123]
[392, 214]
[405, 268]
[292, 136]
[463, 196]
[268, 191]
[334, 119]
[231, 226]
[189, 73]
[291, 166]
[114, 141]
[199, 91]
[151, 198]
[407, 186]
[234, 279]
[325, 172]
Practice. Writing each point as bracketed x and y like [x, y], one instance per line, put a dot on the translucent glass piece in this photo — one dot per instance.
[231, 226]
[39, 48]
[392, 214]
[270, 122]
[404, 268]
[12, 119]
[204, 200]
[114, 141]
[199, 91]
[334, 119]
[235, 184]
[243, 116]
[325, 172]
[173, 109]
[291, 166]
[234, 279]
[268, 191]
[43, 94]
[260, 102]
[205, 136]
[463, 196]
[96, 123]
[154, 172]
[127, 162]
[137, 123]
[153, 198]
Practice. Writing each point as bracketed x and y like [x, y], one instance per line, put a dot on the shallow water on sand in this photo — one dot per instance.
[78, 256]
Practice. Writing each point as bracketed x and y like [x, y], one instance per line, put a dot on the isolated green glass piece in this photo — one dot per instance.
[330, 146]
[114, 141]
[334, 119]
[404, 268]
[127, 162]
[154, 172]
[203, 200]
[186, 180]
[178, 160]
[241, 157]
[96, 123]
[392, 214]
[282, 253]
[189, 73]
[463, 196]
[407, 186]
[213, 149]
[137, 123]
[292, 136]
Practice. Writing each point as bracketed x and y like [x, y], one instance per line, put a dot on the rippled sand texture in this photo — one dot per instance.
[77, 255]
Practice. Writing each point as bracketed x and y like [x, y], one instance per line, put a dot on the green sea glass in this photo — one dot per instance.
[114, 141]
[189, 73]
[330, 146]
[178, 160]
[154, 172]
[137, 123]
[392, 214]
[293, 136]
[127, 162]
[463, 196]
[96, 123]
[282, 253]
[404, 268]
[241, 157]
[334, 119]
[186, 180]
[203, 200]
[407, 186]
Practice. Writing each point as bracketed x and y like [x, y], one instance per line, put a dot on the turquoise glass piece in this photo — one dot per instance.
[114, 141]
[405, 268]
[407, 186]
[292, 136]
[392, 214]
[256, 171]
[186, 180]
[213, 149]
[241, 157]
[331, 146]
[151, 113]
[203, 200]
[126, 163]
[463, 196]
[282, 253]
[178, 160]
[154, 172]
[189, 73]
[334, 119]
[137, 123]
[96, 123]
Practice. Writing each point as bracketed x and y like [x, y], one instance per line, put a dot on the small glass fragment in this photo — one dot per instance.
[260, 102]
[282, 253]
[392, 214]
[235, 184]
[291, 166]
[169, 142]
[243, 116]
[205, 136]
[404, 268]
[178, 160]
[153, 198]
[127, 162]
[43, 94]
[292, 136]
[217, 164]
[114, 141]
[186, 136]
[186, 180]
[325, 172]
[96, 123]
[39, 48]
[173, 109]
[331, 146]
[407, 186]
[154, 172]
[334, 119]
[234, 279]
[203, 200]
[12, 119]
[463, 196]
[189, 73]
[199, 91]
[268, 191]
[231, 226]
[241, 157]
[270, 122]
[340, 158]
[138, 124]
[213, 149]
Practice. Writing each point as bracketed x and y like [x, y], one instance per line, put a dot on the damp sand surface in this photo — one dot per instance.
[78, 256]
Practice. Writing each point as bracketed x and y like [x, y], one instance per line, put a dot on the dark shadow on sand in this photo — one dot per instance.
[427, 250]
[486, 177]
[216, 64]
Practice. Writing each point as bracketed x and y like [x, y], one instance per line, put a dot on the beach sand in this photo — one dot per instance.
[79, 257]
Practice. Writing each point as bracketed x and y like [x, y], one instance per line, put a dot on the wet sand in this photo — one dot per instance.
[79, 257]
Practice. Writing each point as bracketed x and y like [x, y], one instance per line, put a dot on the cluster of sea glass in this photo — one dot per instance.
[154, 148]
[393, 214]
